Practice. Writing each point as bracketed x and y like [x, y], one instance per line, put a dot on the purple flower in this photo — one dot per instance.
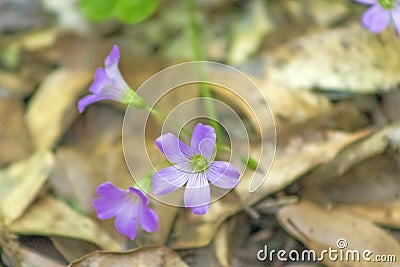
[378, 16]
[129, 207]
[109, 85]
[195, 166]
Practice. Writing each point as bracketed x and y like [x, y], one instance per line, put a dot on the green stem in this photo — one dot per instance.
[205, 90]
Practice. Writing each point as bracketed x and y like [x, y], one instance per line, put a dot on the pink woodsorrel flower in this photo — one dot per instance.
[378, 16]
[129, 207]
[195, 166]
[109, 85]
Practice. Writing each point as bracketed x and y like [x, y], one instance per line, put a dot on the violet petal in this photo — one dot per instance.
[126, 221]
[169, 179]
[106, 208]
[367, 2]
[100, 81]
[203, 140]
[223, 174]
[174, 149]
[376, 19]
[113, 57]
[396, 17]
[197, 194]
[148, 220]
[87, 100]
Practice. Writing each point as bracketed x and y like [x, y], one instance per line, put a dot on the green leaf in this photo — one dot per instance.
[133, 11]
[97, 10]
[126, 11]
[250, 163]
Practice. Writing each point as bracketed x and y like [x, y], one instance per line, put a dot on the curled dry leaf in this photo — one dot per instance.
[51, 217]
[143, 256]
[363, 179]
[319, 229]
[53, 106]
[21, 182]
[327, 60]
[350, 156]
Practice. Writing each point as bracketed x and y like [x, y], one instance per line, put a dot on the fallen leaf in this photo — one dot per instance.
[54, 105]
[363, 179]
[382, 212]
[14, 140]
[72, 249]
[21, 182]
[31, 258]
[319, 229]
[296, 154]
[51, 217]
[143, 256]
[372, 145]
[74, 178]
[326, 59]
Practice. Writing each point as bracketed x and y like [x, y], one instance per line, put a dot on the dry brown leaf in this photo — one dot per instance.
[374, 180]
[362, 179]
[221, 242]
[75, 179]
[319, 229]
[295, 156]
[327, 60]
[51, 217]
[289, 106]
[14, 140]
[21, 182]
[28, 257]
[350, 156]
[54, 105]
[143, 256]
[382, 212]
[72, 249]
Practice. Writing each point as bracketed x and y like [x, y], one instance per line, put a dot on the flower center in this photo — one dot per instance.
[387, 4]
[199, 163]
